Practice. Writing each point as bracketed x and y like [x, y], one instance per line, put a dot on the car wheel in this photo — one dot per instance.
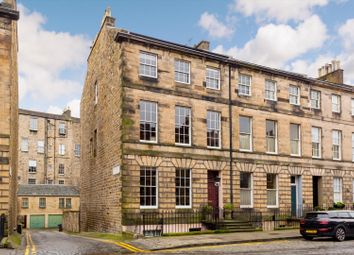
[340, 234]
[309, 238]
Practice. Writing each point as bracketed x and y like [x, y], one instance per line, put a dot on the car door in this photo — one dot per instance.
[351, 223]
[344, 219]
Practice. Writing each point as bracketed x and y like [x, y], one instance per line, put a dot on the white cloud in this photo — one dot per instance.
[73, 105]
[215, 28]
[274, 45]
[310, 68]
[280, 10]
[46, 57]
[346, 32]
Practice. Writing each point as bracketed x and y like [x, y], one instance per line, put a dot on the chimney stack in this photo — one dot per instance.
[67, 112]
[203, 45]
[107, 19]
[331, 72]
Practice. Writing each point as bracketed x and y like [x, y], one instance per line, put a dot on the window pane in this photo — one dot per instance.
[148, 187]
[182, 128]
[183, 187]
[212, 78]
[148, 64]
[182, 71]
[213, 129]
[148, 121]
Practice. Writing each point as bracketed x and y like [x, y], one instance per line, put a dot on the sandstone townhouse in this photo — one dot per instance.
[171, 127]
[49, 150]
[8, 109]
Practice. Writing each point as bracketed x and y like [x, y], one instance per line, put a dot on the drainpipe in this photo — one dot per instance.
[230, 137]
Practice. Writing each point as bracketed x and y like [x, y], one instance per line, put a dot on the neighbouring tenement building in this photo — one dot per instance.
[43, 205]
[49, 150]
[8, 109]
[165, 126]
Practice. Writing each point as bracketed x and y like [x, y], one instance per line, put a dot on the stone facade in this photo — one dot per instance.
[111, 133]
[28, 202]
[53, 143]
[8, 109]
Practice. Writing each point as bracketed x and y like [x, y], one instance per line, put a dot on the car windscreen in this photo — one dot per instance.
[316, 216]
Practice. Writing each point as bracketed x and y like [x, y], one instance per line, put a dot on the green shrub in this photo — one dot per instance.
[338, 205]
[228, 207]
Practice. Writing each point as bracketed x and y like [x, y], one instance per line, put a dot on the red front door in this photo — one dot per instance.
[213, 189]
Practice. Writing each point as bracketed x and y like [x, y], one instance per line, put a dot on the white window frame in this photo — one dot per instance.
[246, 134]
[217, 129]
[276, 193]
[241, 83]
[145, 64]
[275, 137]
[251, 190]
[353, 189]
[35, 181]
[40, 146]
[62, 128]
[209, 78]
[96, 93]
[319, 142]
[340, 186]
[61, 203]
[293, 95]
[40, 205]
[336, 103]
[315, 103]
[190, 126]
[24, 144]
[267, 91]
[184, 187]
[352, 147]
[33, 124]
[67, 203]
[182, 72]
[299, 140]
[156, 118]
[337, 143]
[77, 150]
[32, 163]
[62, 149]
[25, 203]
[61, 170]
[157, 191]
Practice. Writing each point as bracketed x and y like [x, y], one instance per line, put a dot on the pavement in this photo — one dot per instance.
[180, 242]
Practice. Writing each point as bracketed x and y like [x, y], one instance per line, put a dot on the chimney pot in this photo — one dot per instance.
[203, 45]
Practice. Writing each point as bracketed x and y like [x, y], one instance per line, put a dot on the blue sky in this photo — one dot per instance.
[294, 35]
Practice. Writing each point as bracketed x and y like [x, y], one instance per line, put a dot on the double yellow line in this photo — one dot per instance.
[129, 247]
[30, 246]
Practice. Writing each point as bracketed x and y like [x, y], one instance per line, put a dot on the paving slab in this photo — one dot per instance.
[175, 242]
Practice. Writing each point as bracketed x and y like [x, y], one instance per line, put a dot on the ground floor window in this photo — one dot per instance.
[272, 190]
[61, 203]
[245, 189]
[25, 202]
[148, 187]
[337, 189]
[183, 188]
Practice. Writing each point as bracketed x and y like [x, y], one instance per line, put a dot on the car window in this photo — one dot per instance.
[343, 215]
[316, 215]
[351, 214]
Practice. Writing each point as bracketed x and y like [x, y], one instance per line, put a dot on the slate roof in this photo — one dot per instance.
[52, 190]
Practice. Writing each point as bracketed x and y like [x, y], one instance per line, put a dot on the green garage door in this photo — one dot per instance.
[54, 220]
[37, 221]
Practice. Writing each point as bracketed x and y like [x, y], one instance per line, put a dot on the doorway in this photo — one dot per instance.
[316, 182]
[213, 189]
[296, 195]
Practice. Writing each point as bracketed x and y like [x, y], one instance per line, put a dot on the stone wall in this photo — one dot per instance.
[71, 221]
[8, 110]
[100, 189]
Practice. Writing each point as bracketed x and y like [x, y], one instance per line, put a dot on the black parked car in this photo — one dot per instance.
[337, 224]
